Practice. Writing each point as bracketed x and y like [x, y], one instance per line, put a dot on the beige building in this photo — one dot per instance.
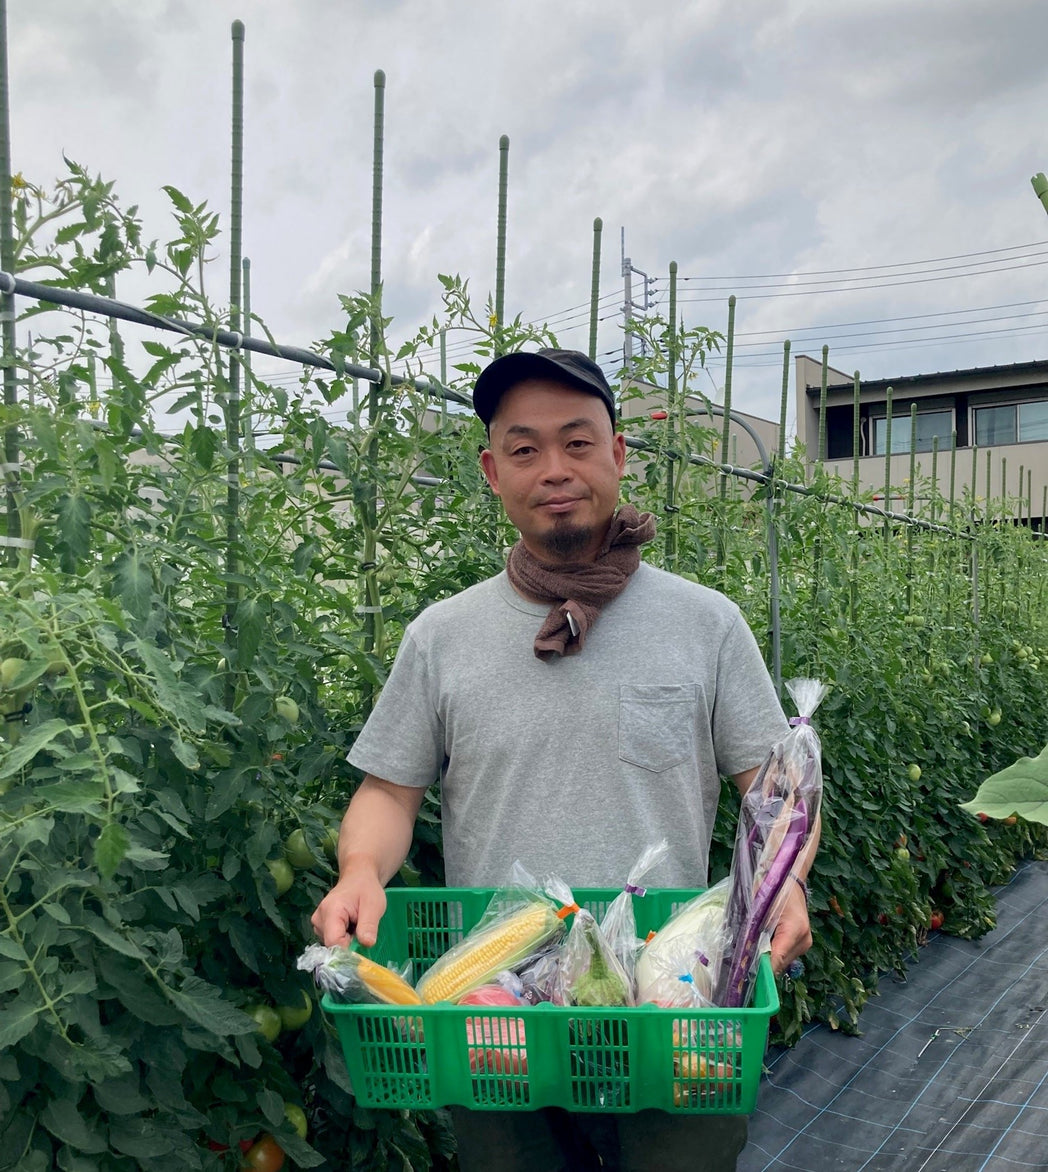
[1002, 411]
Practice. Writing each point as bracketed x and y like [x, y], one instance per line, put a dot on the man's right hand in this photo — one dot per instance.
[373, 842]
[353, 907]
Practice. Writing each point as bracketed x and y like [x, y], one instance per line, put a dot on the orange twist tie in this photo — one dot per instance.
[567, 910]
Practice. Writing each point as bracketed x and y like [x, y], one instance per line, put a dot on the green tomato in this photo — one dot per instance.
[297, 850]
[56, 664]
[294, 1114]
[294, 1017]
[267, 1020]
[330, 843]
[914, 772]
[986, 659]
[283, 874]
[994, 719]
[10, 670]
[287, 709]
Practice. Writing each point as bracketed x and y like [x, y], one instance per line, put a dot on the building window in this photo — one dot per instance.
[1011, 423]
[929, 425]
[1033, 421]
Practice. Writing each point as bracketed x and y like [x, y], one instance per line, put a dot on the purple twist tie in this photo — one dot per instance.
[631, 890]
[799, 720]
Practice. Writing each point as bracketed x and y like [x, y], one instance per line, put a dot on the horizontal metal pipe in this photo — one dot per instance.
[231, 339]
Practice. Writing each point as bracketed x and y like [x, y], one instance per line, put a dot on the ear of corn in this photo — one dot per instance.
[474, 961]
[383, 983]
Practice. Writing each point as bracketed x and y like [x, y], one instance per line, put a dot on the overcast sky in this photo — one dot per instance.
[831, 162]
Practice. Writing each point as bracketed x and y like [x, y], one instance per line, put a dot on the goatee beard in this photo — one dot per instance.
[565, 544]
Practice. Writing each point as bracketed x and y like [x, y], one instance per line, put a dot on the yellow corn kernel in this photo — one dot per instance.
[384, 984]
[476, 959]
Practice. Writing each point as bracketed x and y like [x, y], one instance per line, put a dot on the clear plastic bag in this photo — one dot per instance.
[349, 977]
[681, 977]
[619, 924]
[777, 829]
[690, 942]
[590, 973]
[518, 922]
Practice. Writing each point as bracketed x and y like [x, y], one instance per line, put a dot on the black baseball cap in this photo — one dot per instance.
[571, 367]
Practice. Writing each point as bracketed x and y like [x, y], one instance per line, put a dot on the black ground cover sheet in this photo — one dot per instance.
[950, 1073]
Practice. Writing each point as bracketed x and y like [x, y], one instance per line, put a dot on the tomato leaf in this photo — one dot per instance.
[1021, 788]
[110, 849]
[18, 1020]
[74, 524]
[30, 745]
[64, 1121]
[203, 1004]
[250, 616]
[134, 583]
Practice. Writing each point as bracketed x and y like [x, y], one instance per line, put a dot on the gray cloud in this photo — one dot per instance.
[772, 137]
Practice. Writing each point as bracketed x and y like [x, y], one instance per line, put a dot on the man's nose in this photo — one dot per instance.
[555, 467]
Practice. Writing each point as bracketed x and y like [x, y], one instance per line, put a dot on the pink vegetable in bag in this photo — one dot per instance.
[496, 1044]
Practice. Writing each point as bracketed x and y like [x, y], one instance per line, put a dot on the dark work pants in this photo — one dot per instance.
[554, 1140]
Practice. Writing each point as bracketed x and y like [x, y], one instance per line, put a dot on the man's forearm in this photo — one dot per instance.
[377, 829]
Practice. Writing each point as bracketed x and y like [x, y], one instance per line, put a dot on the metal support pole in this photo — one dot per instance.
[12, 441]
[598, 227]
[500, 244]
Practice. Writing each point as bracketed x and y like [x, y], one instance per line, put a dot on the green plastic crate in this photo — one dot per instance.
[509, 1058]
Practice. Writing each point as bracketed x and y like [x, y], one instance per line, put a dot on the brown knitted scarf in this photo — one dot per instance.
[580, 591]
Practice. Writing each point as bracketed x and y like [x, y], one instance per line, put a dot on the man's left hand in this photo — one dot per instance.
[792, 937]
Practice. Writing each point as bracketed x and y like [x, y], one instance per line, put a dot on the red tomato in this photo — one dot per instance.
[265, 1156]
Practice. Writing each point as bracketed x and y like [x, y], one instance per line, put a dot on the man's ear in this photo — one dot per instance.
[487, 464]
[619, 447]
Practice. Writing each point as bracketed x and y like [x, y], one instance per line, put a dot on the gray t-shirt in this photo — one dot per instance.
[574, 766]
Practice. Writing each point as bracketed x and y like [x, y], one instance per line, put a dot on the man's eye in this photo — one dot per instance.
[525, 451]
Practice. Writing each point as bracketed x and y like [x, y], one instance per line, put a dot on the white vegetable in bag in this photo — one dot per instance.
[695, 930]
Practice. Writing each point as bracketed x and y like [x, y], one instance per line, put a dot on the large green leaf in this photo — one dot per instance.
[205, 1005]
[63, 1120]
[31, 744]
[251, 615]
[18, 1019]
[74, 524]
[1021, 788]
[134, 582]
[110, 848]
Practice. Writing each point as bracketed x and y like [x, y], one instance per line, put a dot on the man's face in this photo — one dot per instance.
[555, 461]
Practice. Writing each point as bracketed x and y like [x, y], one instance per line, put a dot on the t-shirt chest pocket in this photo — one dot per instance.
[657, 724]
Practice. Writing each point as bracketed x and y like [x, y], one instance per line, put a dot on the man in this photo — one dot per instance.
[576, 708]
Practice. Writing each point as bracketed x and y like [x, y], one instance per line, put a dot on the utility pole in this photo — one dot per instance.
[629, 305]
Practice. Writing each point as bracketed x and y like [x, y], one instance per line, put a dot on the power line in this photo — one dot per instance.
[871, 268]
[876, 321]
[775, 357]
[742, 296]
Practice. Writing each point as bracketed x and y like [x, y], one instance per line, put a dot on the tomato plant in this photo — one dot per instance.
[186, 656]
